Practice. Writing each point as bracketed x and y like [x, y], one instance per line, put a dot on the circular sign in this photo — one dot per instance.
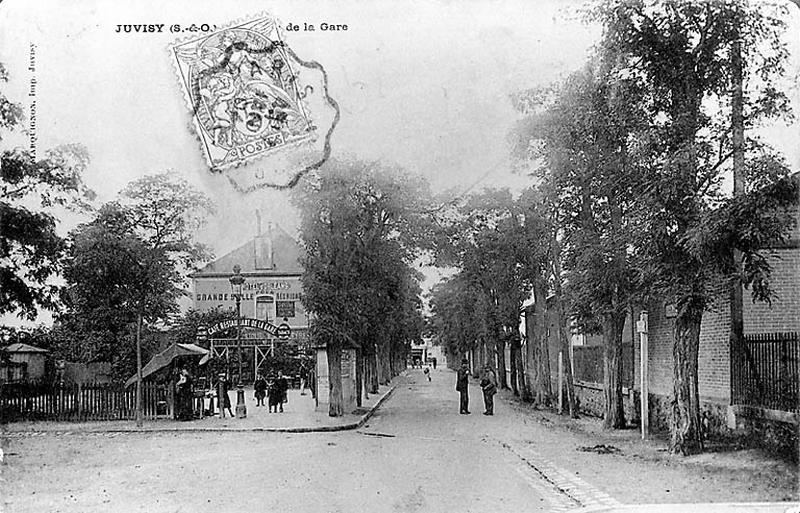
[284, 331]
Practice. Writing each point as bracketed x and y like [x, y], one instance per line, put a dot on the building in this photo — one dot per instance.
[270, 298]
[22, 362]
[755, 387]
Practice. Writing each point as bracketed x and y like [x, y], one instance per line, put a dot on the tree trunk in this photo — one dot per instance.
[373, 370]
[686, 435]
[518, 370]
[335, 397]
[500, 350]
[563, 336]
[359, 376]
[383, 367]
[614, 412]
[736, 295]
[139, 410]
[512, 356]
[569, 382]
[540, 379]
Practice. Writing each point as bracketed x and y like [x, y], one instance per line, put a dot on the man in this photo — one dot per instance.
[489, 387]
[260, 387]
[434, 362]
[283, 386]
[462, 385]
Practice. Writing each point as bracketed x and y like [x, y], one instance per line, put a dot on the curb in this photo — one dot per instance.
[304, 429]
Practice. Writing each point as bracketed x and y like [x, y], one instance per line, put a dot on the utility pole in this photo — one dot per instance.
[642, 328]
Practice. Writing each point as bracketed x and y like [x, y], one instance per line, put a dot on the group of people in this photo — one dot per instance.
[273, 389]
[488, 385]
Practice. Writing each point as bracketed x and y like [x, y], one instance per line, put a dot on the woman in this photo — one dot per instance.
[183, 396]
[222, 396]
[489, 387]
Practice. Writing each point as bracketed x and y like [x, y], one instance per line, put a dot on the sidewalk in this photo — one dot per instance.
[299, 416]
[627, 468]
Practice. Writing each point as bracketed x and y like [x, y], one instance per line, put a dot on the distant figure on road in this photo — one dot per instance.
[222, 396]
[427, 372]
[260, 387]
[303, 378]
[433, 360]
[489, 386]
[462, 385]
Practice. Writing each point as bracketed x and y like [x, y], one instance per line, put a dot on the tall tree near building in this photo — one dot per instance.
[361, 224]
[30, 247]
[681, 51]
[582, 132]
[499, 245]
[128, 266]
[165, 212]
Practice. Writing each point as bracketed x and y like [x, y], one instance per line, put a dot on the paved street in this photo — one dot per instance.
[416, 454]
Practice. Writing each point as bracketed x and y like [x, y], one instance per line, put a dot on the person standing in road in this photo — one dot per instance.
[462, 385]
[433, 360]
[489, 387]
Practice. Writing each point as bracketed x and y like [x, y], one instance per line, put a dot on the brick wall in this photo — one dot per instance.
[784, 312]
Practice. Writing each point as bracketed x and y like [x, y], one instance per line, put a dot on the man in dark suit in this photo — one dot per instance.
[462, 385]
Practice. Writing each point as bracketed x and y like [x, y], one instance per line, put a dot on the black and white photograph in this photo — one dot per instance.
[333, 256]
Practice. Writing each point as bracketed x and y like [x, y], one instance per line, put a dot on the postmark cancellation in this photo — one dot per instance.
[262, 114]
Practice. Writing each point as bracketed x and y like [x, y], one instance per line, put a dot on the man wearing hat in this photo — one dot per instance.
[462, 385]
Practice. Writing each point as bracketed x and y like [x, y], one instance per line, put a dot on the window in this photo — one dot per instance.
[284, 309]
[264, 305]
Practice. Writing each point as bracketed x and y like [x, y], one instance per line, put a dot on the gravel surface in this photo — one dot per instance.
[416, 454]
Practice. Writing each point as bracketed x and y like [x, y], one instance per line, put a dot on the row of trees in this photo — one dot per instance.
[362, 225]
[632, 153]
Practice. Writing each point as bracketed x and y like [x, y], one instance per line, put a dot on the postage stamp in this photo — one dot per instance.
[262, 114]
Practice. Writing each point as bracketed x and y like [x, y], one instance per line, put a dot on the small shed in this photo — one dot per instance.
[32, 357]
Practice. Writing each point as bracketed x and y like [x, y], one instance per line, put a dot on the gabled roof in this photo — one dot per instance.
[24, 348]
[254, 256]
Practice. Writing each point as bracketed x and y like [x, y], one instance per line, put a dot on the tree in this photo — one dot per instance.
[128, 265]
[582, 134]
[108, 270]
[680, 51]
[500, 247]
[361, 225]
[30, 247]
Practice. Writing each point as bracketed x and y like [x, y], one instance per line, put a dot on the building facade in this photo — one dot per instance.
[270, 297]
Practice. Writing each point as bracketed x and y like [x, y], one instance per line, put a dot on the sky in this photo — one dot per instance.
[423, 85]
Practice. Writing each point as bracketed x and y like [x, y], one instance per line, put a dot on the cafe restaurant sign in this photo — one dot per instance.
[245, 323]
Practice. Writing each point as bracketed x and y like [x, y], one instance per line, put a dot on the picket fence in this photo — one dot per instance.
[28, 401]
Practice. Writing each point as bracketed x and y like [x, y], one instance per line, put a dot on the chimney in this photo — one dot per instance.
[263, 247]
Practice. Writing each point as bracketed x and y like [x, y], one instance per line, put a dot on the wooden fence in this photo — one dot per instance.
[765, 372]
[80, 401]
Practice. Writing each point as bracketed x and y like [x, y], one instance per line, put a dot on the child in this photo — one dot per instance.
[427, 372]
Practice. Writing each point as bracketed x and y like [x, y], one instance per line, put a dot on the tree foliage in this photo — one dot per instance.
[361, 226]
[30, 247]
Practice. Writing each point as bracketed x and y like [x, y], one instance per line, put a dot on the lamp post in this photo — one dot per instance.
[237, 280]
